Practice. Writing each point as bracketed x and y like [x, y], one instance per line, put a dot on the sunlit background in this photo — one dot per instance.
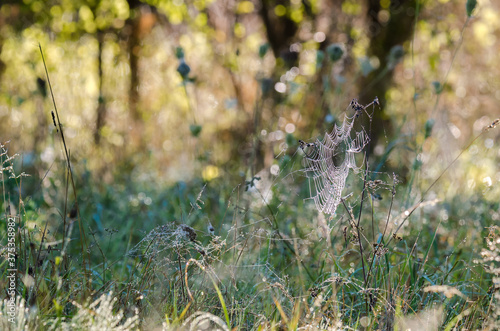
[112, 66]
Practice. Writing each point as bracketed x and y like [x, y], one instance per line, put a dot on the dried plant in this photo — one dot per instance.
[17, 316]
[491, 261]
[98, 315]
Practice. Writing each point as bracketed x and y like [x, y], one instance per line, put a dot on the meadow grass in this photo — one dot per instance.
[204, 255]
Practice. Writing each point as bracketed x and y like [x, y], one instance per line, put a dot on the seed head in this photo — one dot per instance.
[188, 232]
[211, 229]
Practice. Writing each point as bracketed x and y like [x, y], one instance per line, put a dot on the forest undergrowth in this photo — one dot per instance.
[321, 244]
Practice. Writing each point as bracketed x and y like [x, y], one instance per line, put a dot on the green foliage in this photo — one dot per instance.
[291, 253]
[437, 87]
[195, 130]
[179, 53]
[334, 52]
[263, 50]
[183, 69]
[470, 5]
[429, 124]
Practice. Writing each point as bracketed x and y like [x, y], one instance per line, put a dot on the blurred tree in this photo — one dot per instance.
[389, 28]
[10, 16]
[101, 18]
[280, 28]
[290, 27]
[118, 18]
[68, 20]
[142, 18]
[101, 102]
[15, 16]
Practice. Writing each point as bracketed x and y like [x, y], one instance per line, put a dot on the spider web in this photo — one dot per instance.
[328, 161]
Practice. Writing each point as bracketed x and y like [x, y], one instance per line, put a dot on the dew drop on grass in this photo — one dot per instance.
[364, 321]
[275, 169]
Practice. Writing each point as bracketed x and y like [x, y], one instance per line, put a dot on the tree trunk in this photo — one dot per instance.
[101, 102]
[133, 48]
[383, 37]
[279, 30]
[138, 25]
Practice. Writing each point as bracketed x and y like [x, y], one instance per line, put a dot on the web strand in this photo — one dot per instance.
[327, 162]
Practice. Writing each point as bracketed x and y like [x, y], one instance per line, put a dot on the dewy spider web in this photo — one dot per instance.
[327, 162]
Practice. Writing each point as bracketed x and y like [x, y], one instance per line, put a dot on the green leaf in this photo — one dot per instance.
[179, 53]
[437, 87]
[195, 130]
[263, 50]
[428, 127]
[334, 52]
[470, 6]
[266, 85]
[183, 69]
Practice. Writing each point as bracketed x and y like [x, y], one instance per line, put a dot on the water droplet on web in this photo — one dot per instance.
[329, 161]
[275, 169]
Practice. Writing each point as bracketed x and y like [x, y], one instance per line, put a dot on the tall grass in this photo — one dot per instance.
[269, 262]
